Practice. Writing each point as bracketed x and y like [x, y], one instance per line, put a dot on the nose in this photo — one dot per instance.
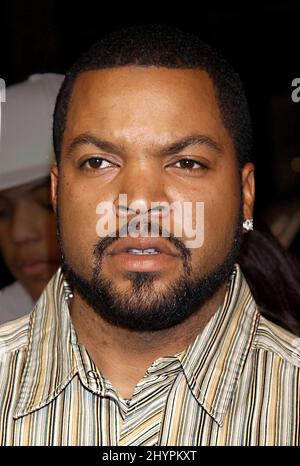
[24, 225]
[141, 190]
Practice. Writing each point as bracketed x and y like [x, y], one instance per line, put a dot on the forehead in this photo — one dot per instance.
[148, 102]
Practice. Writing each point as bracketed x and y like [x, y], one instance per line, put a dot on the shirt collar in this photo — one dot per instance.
[50, 362]
[212, 363]
[54, 355]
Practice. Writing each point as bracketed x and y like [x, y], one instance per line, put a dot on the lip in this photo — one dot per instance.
[37, 268]
[122, 245]
[144, 262]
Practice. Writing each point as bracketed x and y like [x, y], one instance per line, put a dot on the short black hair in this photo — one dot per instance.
[164, 46]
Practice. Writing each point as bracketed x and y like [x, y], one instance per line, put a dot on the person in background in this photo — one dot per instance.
[273, 275]
[140, 340]
[28, 242]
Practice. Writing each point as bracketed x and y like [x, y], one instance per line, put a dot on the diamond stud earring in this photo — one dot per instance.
[248, 224]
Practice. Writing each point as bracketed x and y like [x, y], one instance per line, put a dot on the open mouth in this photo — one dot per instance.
[143, 251]
[141, 255]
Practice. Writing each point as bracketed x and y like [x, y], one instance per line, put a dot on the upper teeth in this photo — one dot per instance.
[143, 251]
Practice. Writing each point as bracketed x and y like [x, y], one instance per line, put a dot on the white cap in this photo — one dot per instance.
[26, 150]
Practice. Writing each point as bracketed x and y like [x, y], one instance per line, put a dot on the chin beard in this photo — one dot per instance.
[143, 307]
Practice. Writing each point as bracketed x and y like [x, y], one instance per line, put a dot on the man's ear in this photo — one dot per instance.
[54, 186]
[248, 188]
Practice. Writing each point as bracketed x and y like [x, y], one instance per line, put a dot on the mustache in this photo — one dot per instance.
[100, 247]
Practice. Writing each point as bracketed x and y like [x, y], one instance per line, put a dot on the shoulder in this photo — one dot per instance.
[277, 341]
[14, 336]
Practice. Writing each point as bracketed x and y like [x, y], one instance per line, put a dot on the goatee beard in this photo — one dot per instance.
[141, 308]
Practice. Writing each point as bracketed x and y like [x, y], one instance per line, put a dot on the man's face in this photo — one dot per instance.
[28, 240]
[130, 131]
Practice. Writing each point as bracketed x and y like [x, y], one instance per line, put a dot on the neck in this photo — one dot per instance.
[125, 355]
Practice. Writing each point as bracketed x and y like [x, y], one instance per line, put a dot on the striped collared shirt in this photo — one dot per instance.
[237, 383]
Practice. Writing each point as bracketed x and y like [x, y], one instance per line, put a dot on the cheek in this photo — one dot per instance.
[6, 244]
[78, 220]
[218, 205]
[220, 223]
[223, 203]
[219, 230]
[10, 257]
[221, 209]
[45, 226]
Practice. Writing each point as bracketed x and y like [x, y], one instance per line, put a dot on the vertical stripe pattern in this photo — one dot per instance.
[237, 383]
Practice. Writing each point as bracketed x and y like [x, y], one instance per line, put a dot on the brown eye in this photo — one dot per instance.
[189, 164]
[94, 163]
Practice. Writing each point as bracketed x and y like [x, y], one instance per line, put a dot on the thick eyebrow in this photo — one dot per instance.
[173, 148]
[102, 145]
[192, 140]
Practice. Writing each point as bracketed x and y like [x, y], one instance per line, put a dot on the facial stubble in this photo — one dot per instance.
[143, 308]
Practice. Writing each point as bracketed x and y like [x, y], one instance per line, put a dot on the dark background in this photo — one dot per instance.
[260, 39]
